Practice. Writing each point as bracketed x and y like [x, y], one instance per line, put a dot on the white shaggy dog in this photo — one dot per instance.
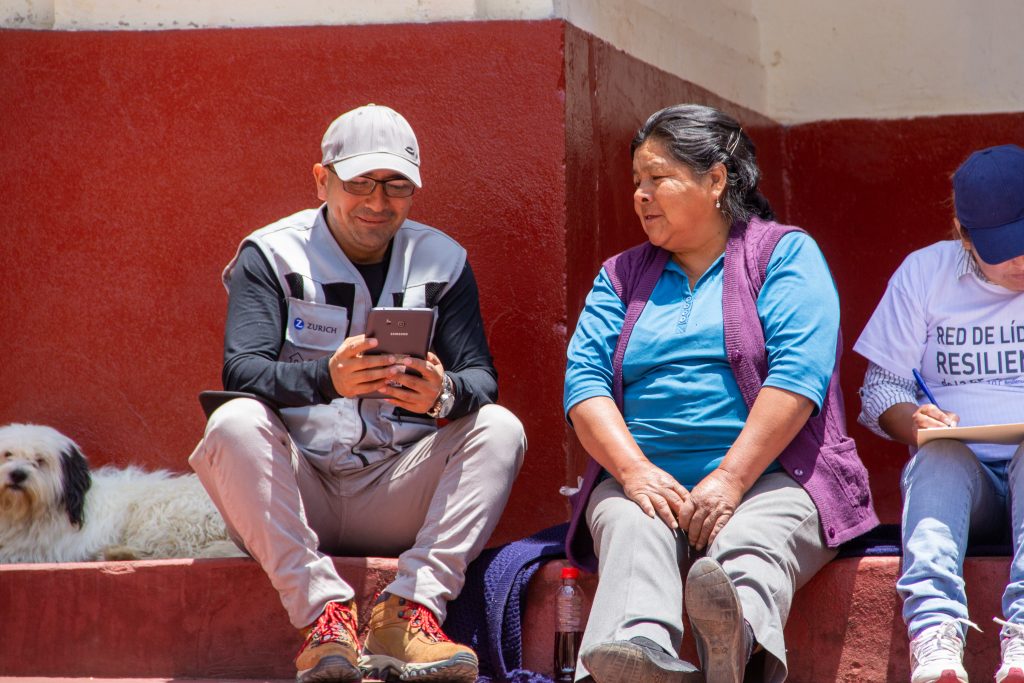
[53, 509]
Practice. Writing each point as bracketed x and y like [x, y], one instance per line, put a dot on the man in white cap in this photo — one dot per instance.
[303, 465]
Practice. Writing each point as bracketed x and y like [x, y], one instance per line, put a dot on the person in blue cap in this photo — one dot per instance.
[955, 311]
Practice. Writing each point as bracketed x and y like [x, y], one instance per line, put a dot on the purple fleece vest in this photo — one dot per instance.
[821, 457]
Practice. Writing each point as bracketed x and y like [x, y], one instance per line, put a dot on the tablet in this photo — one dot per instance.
[401, 332]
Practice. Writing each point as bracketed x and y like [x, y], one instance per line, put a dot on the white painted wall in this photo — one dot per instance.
[793, 60]
[891, 58]
[184, 14]
[715, 44]
[26, 13]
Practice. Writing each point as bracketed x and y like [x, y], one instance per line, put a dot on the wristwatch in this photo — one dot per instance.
[445, 400]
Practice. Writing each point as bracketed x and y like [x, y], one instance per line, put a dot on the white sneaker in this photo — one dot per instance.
[937, 654]
[1011, 644]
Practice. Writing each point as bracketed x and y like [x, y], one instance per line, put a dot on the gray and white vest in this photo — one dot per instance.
[329, 301]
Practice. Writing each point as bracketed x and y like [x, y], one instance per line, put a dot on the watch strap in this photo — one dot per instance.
[443, 405]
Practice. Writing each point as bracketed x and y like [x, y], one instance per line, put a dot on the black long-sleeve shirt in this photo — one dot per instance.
[254, 334]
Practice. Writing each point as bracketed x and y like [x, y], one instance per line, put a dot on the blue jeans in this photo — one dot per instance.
[948, 497]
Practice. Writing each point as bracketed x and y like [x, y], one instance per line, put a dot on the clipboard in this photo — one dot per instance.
[1010, 434]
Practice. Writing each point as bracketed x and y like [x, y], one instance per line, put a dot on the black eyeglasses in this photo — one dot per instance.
[362, 186]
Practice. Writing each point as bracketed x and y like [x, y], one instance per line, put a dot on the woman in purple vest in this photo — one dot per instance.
[702, 381]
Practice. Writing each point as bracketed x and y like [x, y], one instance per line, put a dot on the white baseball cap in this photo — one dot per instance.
[369, 138]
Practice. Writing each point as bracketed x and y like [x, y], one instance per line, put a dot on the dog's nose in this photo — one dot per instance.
[18, 476]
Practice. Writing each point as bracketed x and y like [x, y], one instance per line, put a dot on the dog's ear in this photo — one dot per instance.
[76, 482]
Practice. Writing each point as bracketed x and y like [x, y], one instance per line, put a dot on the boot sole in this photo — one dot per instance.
[625, 661]
[331, 669]
[1014, 675]
[717, 619]
[945, 676]
[460, 668]
[950, 676]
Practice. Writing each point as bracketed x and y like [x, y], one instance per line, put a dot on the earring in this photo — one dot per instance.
[718, 203]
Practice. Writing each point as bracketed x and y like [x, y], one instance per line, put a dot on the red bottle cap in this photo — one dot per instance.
[570, 573]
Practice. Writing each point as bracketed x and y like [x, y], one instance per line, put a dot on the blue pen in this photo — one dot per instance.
[924, 388]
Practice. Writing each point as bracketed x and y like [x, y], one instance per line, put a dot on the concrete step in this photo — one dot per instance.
[845, 624]
[214, 618]
[221, 620]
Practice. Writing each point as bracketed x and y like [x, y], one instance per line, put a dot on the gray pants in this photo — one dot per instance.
[434, 505]
[772, 545]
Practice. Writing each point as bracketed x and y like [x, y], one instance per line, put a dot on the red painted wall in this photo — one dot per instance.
[132, 163]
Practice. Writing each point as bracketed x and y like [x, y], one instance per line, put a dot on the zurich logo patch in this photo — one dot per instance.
[299, 323]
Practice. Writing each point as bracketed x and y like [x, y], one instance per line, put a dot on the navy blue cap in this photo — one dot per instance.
[988, 192]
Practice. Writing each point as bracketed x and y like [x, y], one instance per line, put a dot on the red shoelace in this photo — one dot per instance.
[328, 627]
[423, 619]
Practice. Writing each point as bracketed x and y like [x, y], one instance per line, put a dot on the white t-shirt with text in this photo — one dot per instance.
[964, 334]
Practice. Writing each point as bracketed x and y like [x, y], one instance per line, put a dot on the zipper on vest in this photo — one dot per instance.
[362, 434]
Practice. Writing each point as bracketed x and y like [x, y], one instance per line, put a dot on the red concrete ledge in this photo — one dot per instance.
[221, 619]
[845, 625]
[215, 618]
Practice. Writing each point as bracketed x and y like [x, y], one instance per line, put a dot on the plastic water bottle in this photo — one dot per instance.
[568, 625]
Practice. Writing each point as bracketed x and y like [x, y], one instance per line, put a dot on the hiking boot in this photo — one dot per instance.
[717, 619]
[405, 640]
[331, 651]
[937, 654]
[1011, 644]
[637, 659]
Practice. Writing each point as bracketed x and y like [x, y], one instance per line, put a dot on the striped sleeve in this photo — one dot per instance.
[881, 391]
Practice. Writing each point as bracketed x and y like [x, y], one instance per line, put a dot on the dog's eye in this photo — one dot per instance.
[40, 462]
[8, 455]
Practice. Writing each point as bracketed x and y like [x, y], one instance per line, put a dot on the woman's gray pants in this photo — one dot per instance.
[772, 545]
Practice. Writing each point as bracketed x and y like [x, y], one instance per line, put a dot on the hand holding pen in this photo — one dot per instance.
[930, 415]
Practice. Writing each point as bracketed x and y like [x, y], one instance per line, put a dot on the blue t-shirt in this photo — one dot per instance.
[681, 401]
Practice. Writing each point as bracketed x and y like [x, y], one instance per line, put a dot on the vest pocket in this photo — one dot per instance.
[842, 459]
[317, 329]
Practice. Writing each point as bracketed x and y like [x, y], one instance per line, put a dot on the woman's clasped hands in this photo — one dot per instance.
[700, 513]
